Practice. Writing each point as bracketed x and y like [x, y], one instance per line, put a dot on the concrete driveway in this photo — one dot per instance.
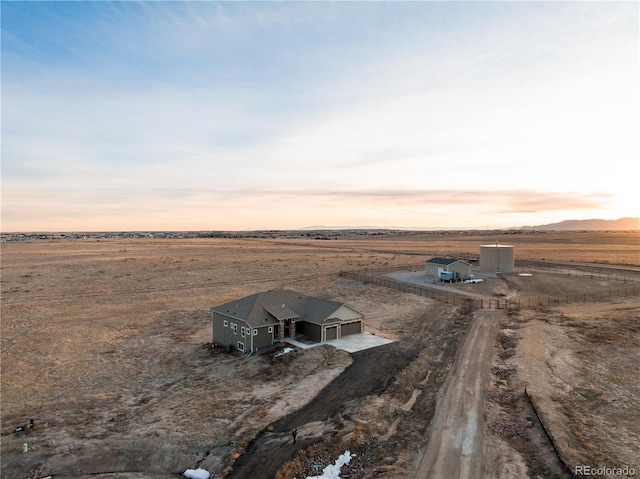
[351, 343]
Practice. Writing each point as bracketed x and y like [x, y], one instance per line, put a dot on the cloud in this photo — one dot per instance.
[509, 201]
[355, 109]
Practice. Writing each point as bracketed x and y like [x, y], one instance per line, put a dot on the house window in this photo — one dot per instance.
[270, 330]
[242, 331]
[241, 346]
[234, 327]
[255, 332]
[226, 323]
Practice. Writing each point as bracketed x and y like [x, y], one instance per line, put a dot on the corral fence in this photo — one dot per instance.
[444, 296]
[376, 278]
[597, 297]
[623, 277]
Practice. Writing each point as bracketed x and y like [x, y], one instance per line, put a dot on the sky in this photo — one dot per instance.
[279, 115]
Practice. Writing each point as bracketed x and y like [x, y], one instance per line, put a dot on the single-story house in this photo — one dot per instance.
[447, 269]
[257, 321]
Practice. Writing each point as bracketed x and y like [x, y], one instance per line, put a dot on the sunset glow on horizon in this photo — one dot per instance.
[261, 115]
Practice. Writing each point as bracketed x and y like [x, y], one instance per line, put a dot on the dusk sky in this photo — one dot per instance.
[265, 115]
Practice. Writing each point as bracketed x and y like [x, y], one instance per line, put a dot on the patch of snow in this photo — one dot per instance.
[284, 351]
[196, 474]
[525, 274]
[333, 471]
[478, 280]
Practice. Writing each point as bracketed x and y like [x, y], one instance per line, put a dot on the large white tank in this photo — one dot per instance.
[496, 258]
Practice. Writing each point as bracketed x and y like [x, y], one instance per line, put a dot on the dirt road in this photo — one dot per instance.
[454, 447]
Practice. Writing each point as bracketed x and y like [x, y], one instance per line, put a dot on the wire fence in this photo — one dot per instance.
[594, 297]
[617, 276]
[544, 422]
[476, 302]
[443, 296]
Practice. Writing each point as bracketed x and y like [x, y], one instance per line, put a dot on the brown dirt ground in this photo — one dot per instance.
[580, 362]
[105, 344]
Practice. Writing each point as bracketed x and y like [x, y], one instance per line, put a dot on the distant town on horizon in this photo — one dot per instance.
[328, 232]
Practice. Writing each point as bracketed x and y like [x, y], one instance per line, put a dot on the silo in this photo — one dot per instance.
[496, 258]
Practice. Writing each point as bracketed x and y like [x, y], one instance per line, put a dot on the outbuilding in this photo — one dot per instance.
[257, 321]
[496, 258]
[447, 269]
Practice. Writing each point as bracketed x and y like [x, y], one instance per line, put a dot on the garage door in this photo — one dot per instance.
[331, 332]
[351, 328]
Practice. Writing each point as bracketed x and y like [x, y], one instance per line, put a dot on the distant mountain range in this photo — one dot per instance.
[622, 224]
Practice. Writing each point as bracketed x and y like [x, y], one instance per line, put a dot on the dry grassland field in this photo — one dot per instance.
[106, 344]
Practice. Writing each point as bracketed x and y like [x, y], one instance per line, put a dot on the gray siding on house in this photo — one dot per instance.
[310, 330]
[227, 331]
[431, 268]
[220, 332]
[463, 269]
[263, 339]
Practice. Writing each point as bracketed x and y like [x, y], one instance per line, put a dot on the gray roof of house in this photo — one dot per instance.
[445, 261]
[269, 307]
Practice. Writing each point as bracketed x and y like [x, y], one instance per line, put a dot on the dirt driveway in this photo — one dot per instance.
[274, 445]
[454, 448]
